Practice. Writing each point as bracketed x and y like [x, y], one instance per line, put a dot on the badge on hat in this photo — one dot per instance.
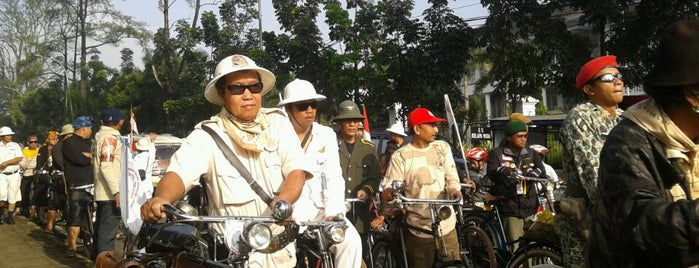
[239, 60]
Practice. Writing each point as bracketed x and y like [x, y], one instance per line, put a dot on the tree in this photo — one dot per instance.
[530, 48]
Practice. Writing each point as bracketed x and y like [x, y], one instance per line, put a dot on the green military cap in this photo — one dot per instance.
[348, 110]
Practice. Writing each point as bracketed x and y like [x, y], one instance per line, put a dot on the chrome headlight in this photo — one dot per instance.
[335, 233]
[443, 212]
[187, 208]
[258, 235]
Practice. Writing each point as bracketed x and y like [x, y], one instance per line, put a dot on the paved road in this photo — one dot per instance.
[23, 244]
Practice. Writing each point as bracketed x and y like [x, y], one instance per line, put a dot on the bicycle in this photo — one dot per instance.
[539, 244]
[439, 210]
[87, 231]
[317, 238]
[384, 237]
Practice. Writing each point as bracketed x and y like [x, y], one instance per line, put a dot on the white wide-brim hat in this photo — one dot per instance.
[143, 144]
[397, 128]
[236, 63]
[6, 131]
[299, 90]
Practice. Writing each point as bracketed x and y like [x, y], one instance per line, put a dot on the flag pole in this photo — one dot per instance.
[453, 125]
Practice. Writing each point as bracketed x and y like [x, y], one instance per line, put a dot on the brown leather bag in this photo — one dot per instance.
[108, 259]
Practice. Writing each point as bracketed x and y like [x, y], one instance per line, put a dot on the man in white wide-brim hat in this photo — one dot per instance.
[323, 195]
[10, 156]
[261, 138]
[396, 139]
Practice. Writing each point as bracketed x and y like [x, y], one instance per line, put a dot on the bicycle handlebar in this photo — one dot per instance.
[407, 200]
[183, 217]
[83, 187]
[526, 178]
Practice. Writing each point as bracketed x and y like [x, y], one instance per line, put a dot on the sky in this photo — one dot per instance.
[148, 12]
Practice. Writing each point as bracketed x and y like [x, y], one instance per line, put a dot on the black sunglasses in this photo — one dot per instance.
[240, 89]
[304, 106]
[609, 77]
[33, 141]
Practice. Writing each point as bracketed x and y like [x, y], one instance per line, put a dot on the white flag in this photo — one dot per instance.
[133, 191]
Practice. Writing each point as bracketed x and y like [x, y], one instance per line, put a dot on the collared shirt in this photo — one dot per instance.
[107, 159]
[9, 151]
[325, 191]
[228, 192]
[428, 173]
[582, 134]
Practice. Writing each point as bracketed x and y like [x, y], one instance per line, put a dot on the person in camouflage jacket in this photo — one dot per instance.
[582, 135]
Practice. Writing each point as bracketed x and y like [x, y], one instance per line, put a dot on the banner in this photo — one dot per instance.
[133, 190]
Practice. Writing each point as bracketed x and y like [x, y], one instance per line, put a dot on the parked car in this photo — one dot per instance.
[165, 147]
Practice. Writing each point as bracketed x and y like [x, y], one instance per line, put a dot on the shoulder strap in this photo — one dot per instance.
[233, 159]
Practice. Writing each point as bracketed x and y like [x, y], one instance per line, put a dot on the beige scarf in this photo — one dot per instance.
[653, 120]
[251, 136]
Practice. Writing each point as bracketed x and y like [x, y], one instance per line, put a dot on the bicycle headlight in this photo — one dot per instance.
[443, 212]
[335, 233]
[187, 208]
[258, 235]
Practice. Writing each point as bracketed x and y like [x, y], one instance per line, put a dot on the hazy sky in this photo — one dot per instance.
[147, 11]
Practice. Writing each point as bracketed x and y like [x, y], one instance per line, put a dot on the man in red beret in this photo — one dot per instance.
[582, 134]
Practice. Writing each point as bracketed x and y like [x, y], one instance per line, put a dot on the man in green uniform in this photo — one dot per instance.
[360, 166]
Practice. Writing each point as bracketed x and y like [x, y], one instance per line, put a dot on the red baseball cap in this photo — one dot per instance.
[421, 116]
[592, 67]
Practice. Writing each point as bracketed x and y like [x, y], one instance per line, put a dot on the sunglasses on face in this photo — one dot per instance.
[304, 106]
[608, 78]
[240, 89]
[32, 141]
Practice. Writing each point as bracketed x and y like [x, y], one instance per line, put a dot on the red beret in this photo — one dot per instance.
[592, 67]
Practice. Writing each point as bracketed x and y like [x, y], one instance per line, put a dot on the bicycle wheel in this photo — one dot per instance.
[385, 256]
[477, 247]
[540, 255]
[86, 233]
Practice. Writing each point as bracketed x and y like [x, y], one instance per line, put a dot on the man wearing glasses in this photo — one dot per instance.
[262, 139]
[28, 165]
[582, 134]
[323, 195]
[504, 164]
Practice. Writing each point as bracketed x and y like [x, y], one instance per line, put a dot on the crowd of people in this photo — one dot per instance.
[634, 172]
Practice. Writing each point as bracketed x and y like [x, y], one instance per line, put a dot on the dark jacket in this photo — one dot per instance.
[57, 155]
[77, 167]
[514, 205]
[361, 172]
[636, 223]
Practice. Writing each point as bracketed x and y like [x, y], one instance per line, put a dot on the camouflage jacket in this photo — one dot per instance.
[582, 134]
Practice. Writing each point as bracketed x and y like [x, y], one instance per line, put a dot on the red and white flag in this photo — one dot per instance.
[366, 134]
[134, 130]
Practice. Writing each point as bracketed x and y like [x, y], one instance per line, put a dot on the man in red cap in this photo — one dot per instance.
[427, 168]
[582, 134]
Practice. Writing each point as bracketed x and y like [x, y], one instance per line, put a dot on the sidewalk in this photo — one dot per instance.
[25, 245]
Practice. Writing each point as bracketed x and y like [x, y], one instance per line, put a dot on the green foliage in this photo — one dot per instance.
[540, 108]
